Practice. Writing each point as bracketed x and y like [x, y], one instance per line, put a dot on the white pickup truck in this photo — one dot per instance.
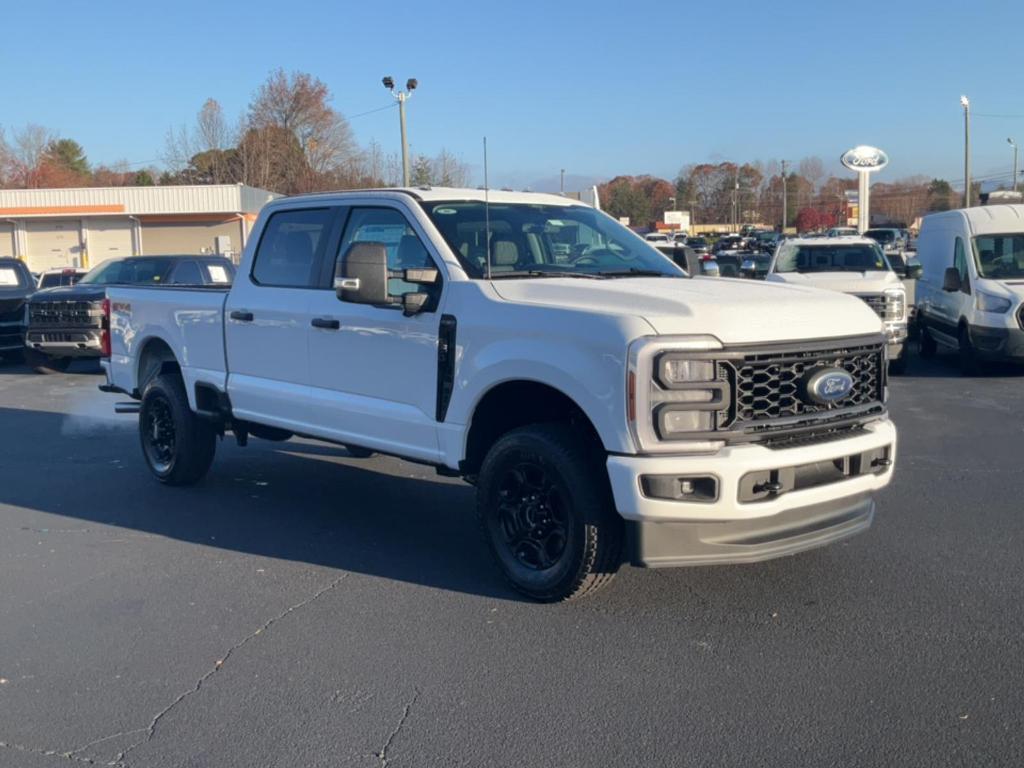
[607, 406]
[855, 265]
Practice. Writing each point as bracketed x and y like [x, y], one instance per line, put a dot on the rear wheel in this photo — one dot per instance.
[546, 512]
[43, 363]
[178, 445]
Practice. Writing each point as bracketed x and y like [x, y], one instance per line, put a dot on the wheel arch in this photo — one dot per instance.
[155, 357]
[516, 403]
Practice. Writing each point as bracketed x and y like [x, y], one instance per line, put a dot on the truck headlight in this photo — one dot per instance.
[895, 304]
[677, 393]
[987, 302]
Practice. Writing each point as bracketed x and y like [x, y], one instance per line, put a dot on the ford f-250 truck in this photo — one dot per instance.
[607, 406]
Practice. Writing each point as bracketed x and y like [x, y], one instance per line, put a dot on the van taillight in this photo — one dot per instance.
[105, 330]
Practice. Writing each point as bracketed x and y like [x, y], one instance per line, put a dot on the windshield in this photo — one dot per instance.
[12, 276]
[133, 271]
[54, 279]
[696, 242]
[883, 236]
[529, 240]
[1000, 257]
[859, 257]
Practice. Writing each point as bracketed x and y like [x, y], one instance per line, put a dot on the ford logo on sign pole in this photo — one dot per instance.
[864, 160]
[827, 385]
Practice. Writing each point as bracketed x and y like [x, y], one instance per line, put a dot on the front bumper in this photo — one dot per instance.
[809, 476]
[662, 545]
[65, 342]
[998, 343]
[12, 337]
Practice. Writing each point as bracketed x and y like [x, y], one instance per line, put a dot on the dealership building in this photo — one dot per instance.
[50, 228]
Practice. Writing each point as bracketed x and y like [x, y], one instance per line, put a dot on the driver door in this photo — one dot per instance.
[373, 371]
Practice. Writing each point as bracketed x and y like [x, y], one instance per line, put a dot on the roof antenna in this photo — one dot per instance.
[487, 217]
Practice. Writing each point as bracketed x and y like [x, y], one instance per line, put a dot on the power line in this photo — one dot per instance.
[371, 111]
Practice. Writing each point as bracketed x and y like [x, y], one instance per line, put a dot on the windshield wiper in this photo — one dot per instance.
[635, 272]
[544, 273]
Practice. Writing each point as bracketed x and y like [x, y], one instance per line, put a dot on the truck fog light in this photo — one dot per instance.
[693, 488]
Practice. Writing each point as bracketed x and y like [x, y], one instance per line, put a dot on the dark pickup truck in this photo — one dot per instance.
[16, 284]
[67, 322]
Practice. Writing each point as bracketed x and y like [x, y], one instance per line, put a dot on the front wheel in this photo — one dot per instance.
[898, 365]
[178, 445]
[547, 514]
[970, 365]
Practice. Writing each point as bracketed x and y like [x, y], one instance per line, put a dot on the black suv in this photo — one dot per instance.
[67, 322]
[16, 284]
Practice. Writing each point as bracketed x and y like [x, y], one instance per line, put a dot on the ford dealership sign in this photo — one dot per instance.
[864, 159]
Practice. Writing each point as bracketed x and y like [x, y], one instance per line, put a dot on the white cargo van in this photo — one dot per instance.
[970, 295]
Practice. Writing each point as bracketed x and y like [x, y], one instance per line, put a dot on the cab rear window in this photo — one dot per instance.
[11, 278]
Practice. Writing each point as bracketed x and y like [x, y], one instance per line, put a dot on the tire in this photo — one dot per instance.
[546, 512]
[926, 343]
[357, 452]
[898, 367]
[45, 364]
[969, 363]
[178, 445]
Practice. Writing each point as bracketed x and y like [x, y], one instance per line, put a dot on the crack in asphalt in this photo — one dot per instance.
[151, 729]
[49, 753]
[383, 754]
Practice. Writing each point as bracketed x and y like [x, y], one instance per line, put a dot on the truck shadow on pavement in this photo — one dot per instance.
[298, 501]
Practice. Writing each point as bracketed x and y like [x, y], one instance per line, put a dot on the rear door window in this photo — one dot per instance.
[291, 247]
[187, 273]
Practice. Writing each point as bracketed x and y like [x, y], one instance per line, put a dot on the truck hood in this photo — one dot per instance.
[845, 282]
[734, 311]
[71, 293]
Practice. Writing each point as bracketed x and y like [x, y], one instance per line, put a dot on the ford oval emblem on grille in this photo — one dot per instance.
[827, 385]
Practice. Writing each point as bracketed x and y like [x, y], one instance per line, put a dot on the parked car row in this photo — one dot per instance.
[59, 316]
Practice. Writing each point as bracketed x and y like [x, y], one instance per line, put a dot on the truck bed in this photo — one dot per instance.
[189, 319]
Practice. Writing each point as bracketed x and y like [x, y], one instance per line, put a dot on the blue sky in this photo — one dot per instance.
[598, 88]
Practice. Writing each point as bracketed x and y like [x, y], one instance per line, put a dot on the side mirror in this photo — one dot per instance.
[364, 278]
[951, 280]
[915, 270]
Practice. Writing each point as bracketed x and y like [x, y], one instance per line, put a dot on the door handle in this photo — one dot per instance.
[325, 322]
[242, 315]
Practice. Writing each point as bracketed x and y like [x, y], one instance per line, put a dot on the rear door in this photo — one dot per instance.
[267, 319]
[374, 371]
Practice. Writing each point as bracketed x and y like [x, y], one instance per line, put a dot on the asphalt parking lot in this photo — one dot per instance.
[303, 608]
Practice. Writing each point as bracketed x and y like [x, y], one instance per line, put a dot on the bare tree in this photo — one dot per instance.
[449, 171]
[812, 169]
[27, 154]
[299, 104]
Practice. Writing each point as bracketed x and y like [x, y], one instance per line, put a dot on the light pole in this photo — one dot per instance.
[784, 210]
[401, 97]
[1013, 144]
[966, 104]
[561, 181]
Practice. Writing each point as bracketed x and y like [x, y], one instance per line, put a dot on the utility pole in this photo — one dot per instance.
[1013, 144]
[736, 200]
[966, 104]
[401, 97]
[561, 182]
[784, 208]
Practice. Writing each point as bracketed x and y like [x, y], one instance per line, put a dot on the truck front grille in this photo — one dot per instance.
[66, 314]
[768, 385]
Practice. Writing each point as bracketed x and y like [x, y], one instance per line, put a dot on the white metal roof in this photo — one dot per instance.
[995, 219]
[433, 194]
[838, 240]
[106, 201]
